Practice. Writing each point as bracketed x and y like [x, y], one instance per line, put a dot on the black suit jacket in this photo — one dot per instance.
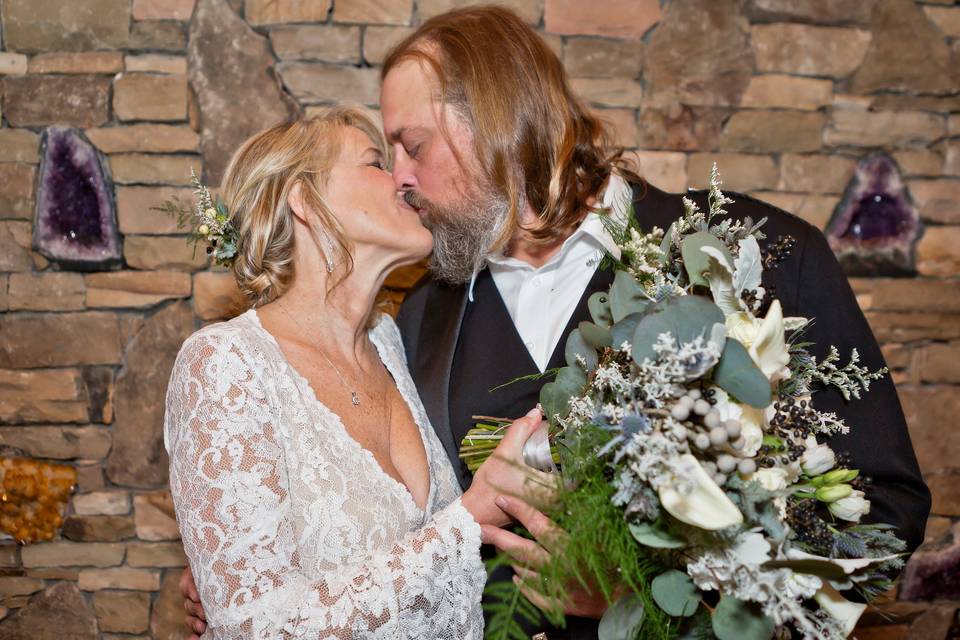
[809, 283]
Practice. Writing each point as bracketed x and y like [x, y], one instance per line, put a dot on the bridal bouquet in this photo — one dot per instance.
[696, 493]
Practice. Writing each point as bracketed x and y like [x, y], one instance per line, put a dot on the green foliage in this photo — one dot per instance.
[685, 318]
[738, 375]
[623, 620]
[696, 262]
[576, 348]
[555, 396]
[652, 535]
[626, 296]
[735, 619]
[676, 594]
[599, 305]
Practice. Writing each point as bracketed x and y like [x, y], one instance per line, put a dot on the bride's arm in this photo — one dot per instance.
[231, 490]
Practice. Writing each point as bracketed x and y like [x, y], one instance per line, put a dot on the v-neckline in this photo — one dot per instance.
[311, 393]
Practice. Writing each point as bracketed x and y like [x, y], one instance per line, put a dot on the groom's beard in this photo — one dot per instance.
[464, 233]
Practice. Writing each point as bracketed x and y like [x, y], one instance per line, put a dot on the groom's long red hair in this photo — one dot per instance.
[535, 139]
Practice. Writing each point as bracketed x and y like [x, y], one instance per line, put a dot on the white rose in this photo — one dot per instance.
[851, 508]
[817, 458]
[771, 479]
[694, 498]
[765, 340]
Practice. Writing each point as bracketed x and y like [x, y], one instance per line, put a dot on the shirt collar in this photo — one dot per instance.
[616, 200]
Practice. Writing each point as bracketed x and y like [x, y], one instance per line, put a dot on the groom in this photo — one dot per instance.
[503, 163]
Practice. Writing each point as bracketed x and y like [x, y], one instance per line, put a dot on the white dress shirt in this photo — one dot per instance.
[541, 300]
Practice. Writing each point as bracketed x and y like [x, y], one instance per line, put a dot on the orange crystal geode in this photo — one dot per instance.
[33, 496]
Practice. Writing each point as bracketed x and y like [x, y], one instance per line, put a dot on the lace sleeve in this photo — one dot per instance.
[231, 492]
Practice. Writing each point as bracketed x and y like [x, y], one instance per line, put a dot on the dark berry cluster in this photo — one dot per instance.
[808, 525]
[791, 425]
[778, 250]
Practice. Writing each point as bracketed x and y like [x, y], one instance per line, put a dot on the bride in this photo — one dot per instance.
[313, 497]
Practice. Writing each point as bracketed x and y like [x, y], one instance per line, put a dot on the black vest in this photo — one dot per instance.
[490, 353]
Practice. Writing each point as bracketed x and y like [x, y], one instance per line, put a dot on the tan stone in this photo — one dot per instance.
[4, 280]
[158, 35]
[772, 131]
[938, 363]
[166, 619]
[739, 172]
[155, 138]
[16, 189]
[312, 82]
[373, 11]
[665, 170]
[98, 528]
[141, 96]
[919, 162]
[609, 92]
[937, 253]
[919, 294]
[216, 296]
[930, 412]
[260, 12]
[814, 208]
[140, 168]
[815, 173]
[937, 527]
[816, 11]
[46, 291]
[618, 19]
[59, 340]
[89, 477]
[40, 100]
[12, 63]
[330, 43]
[907, 326]
[53, 573]
[52, 395]
[156, 63]
[938, 200]
[135, 214]
[883, 128]
[135, 288]
[156, 554]
[622, 124]
[15, 241]
[77, 62]
[19, 586]
[529, 10]
[71, 554]
[154, 517]
[81, 25]
[954, 125]
[163, 9]
[951, 163]
[163, 252]
[110, 503]
[775, 91]
[119, 578]
[809, 50]
[122, 611]
[946, 18]
[59, 443]
[377, 41]
[19, 145]
[603, 57]
[8, 555]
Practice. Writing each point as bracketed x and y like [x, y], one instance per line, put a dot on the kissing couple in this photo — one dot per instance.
[313, 439]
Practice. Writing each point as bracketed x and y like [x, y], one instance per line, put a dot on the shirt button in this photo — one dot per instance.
[529, 345]
[536, 281]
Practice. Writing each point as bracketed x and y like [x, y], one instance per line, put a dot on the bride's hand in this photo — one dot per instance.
[505, 473]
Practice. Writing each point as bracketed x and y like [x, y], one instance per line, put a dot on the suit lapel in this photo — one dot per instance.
[439, 331]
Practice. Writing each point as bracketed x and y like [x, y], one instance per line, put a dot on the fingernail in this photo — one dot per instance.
[501, 502]
[516, 580]
[534, 413]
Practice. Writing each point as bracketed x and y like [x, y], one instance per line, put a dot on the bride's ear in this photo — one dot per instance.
[296, 204]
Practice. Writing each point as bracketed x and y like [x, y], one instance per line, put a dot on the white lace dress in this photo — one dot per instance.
[292, 529]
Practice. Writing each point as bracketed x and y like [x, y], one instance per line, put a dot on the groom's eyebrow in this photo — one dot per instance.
[397, 134]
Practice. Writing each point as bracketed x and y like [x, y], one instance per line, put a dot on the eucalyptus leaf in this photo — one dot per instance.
[626, 296]
[555, 396]
[735, 619]
[596, 336]
[683, 317]
[577, 346]
[622, 621]
[696, 262]
[675, 593]
[623, 330]
[738, 375]
[599, 305]
[652, 536]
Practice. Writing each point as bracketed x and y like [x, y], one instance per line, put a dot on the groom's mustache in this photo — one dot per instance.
[426, 208]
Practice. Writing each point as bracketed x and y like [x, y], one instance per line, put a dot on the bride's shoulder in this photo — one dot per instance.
[237, 335]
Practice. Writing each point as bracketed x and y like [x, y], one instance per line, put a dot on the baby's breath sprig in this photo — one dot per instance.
[207, 220]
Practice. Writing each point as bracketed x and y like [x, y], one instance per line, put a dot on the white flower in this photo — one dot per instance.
[851, 508]
[818, 458]
[764, 340]
[842, 610]
[771, 479]
[694, 498]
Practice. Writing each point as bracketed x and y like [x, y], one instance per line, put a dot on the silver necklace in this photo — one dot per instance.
[354, 396]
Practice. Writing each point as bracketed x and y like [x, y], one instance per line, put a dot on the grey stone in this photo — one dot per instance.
[59, 612]
[54, 25]
[834, 12]
[166, 621]
[233, 106]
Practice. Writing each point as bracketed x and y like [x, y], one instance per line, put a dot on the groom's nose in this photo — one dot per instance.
[403, 176]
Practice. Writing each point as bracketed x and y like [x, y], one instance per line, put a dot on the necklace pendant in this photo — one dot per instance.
[355, 398]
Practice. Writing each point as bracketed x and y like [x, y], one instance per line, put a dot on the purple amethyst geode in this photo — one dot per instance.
[76, 220]
[875, 227]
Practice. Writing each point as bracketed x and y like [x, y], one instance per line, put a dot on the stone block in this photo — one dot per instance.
[216, 296]
[122, 611]
[77, 62]
[40, 100]
[938, 200]
[47, 615]
[19, 145]
[815, 173]
[98, 528]
[373, 11]
[939, 362]
[772, 131]
[156, 554]
[678, 127]
[166, 620]
[46, 291]
[813, 11]
[314, 82]
[81, 25]
[260, 12]
[622, 124]
[814, 208]
[919, 162]
[163, 252]
[59, 340]
[154, 516]
[378, 40]
[109, 503]
[156, 63]
[135, 209]
[851, 127]
[141, 168]
[945, 489]
[590, 57]
[529, 10]
[930, 410]
[619, 18]
[89, 477]
[666, 170]
[936, 622]
[808, 50]
[142, 96]
[59, 443]
[158, 35]
[330, 43]
[739, 172]
[15, 254]
[120, 289]
[19, 586]
[53, 395]
[12, 64]
[146, 138]
[937, 252]
[609, 92]
[904, 326]
[16, 189]
[127, 578]
[72, 554]
[777, 91]
[163, 9]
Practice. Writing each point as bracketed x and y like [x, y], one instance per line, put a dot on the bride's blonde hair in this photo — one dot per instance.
[258, 181]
